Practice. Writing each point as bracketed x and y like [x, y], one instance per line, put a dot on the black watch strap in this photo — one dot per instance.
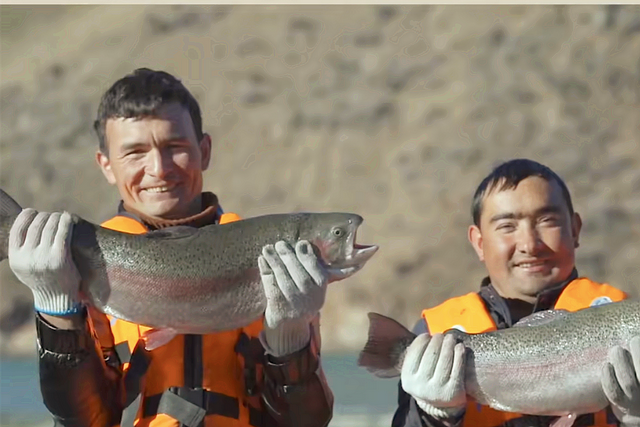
[62, 341]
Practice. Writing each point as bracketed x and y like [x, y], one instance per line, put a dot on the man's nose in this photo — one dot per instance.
[529, 241]
[160, 163]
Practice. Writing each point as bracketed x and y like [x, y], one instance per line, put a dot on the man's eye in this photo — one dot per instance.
[506, 227]
[549, 220]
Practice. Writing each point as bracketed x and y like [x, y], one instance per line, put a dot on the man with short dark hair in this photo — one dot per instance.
[525, 231]
[94, 369]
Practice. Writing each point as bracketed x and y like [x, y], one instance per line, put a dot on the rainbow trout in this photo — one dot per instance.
[548, 364]
[185, 280]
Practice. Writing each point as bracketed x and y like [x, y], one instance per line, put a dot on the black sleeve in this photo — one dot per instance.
[408, 413]
[78, 387]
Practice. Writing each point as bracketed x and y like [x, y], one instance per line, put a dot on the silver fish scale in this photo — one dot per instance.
[526, 369]
[193, 280]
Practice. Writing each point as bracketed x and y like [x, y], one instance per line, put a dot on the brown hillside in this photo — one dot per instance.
[395, 113]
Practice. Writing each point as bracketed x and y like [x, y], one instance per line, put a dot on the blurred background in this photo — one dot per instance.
[395, 113]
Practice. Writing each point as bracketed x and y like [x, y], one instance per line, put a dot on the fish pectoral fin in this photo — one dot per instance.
[564, 421]
[155, 338]
[541, 317]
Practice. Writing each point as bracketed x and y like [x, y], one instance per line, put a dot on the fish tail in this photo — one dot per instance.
[384, 351]
[8, 208]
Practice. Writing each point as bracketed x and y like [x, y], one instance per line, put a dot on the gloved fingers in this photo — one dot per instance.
[272, 292]
[413, 356]
[50, 229]
[610, 385]
[431, 356]
[282, 279]
[20, 226]
[308, 259]
[65, 230]
[623, 367]
[34, 233]
[457, 370]
[263, 266]
[267, 276]
[634, 348]
[444, 364]
[296, 275]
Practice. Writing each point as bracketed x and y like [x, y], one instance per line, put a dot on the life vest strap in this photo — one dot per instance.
[251, 350]
[133, 384]
[123, 352]
[182, 404]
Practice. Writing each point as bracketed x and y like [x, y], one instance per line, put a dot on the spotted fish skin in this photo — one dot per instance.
[196, 280]
[547, 365]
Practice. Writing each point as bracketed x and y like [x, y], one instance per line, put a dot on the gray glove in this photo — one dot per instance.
[433, 374]
[621, 383]
[295, 284]
[39, 257]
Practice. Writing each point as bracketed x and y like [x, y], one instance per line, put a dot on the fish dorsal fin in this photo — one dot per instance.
[541, 318]
[174, 232]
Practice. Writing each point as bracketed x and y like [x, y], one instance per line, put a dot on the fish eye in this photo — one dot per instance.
[337, 232]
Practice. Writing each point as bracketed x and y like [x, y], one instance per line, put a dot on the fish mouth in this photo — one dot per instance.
[356, 257]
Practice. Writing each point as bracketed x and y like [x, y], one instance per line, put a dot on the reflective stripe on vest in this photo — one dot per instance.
[154, 381]
[469, 314]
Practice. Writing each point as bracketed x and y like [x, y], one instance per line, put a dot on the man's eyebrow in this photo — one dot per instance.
[506, 215]
[138, 144]
[132, 145]
[552, 209]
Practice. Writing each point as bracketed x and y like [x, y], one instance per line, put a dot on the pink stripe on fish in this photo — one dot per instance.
[151, 285]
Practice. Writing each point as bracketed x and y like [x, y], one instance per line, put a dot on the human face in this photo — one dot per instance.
[527, 238]
[156, 162]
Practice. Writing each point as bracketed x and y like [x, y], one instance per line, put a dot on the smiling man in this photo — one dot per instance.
[94, 370]
[525, 231]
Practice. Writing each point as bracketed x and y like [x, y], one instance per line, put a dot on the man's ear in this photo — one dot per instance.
[576, 226]
[205, 151]
[475, 238]
[105, 166]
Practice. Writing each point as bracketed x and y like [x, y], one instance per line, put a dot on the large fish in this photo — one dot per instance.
[195, 280]
[548, 364]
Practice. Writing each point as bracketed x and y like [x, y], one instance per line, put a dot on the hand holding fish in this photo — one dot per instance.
[433, 373]
[39, 257]
[295, 285]
[621, 383]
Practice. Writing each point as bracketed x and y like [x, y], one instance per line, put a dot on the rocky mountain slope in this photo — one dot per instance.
[395, 113]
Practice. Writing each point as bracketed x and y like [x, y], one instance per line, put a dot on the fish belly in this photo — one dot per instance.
[545, 383]
[200, 283]
[188, 305]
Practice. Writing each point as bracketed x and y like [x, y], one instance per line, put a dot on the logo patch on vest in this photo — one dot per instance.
[600, 301]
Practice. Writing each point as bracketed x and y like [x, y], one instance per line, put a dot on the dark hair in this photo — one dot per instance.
[142, 93]
[508, 175]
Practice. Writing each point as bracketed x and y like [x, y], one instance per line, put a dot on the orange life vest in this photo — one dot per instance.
[468, 313]
[227, 372]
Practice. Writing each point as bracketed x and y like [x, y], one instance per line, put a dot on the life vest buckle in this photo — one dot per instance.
[197, 395]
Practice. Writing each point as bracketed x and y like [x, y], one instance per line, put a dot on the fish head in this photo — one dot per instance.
[333, 236]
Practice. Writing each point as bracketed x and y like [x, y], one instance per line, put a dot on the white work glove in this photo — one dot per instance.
[295, 284]
[433, 374]
[621, 383]
[39, 257]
